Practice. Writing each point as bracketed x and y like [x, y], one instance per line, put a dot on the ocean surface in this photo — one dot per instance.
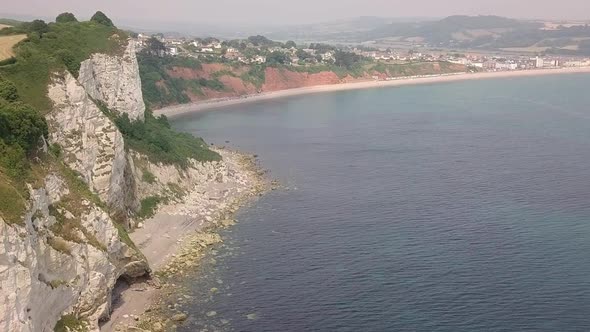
[452, 207]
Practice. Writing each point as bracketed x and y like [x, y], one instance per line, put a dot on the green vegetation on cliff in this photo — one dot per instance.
[156, 139]
[53, 47]
[50, 49]
[68, 323]
[22, 130]
[160, 88]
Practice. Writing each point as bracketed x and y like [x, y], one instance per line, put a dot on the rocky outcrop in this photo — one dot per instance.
[115, 81]
[92, 145]
[47, 269]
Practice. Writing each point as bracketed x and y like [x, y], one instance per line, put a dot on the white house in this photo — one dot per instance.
[173, 50]
[328, 56]
[260, 59]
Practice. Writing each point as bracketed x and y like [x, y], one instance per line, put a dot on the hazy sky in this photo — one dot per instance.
[262, 12]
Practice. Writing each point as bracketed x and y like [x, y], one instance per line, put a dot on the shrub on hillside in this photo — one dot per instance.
[38, 26]
[8, 90]
[100, 18]
[155, 138]
[65, 18]
[64, 46]
[21, 125]
[21, 131]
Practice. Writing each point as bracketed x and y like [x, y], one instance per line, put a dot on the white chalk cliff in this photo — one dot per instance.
[43, 275]
[47, 271]
[115, 81]
[91, 143]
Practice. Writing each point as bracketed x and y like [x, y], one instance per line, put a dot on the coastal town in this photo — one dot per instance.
[260, 50]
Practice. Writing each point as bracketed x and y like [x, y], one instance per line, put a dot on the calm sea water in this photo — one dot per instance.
[455, 207]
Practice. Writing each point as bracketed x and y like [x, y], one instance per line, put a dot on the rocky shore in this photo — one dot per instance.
[178, 236]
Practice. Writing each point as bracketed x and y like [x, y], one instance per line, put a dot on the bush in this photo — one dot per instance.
[65, 18]
[68, 59]
[148, 177]
[148, 207]
[9, 61]
[21, 125]
[38, 26]
[100, 18]
[8, 90]
[69, 323]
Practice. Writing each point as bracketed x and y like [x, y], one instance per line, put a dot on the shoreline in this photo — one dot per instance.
[177, 237]
[211, 104]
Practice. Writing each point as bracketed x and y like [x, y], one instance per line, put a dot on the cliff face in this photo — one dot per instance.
[92, 144]
[67, 255]
[235, 78]
[115, 81]
[47, 271]
[277, 79]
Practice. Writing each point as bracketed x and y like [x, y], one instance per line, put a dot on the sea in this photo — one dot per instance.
[462, 206]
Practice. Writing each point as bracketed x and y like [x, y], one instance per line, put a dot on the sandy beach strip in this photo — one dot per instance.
[164, 237]
[184, 109]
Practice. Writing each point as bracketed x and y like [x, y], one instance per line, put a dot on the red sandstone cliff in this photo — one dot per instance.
[281, 79]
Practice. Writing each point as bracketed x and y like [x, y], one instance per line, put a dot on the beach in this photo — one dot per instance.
[179, 110]
[179, 234]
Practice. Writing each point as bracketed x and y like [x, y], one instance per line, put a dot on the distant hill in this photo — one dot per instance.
[459, 32]
[338, 30]
[9, 21]
[450, 29]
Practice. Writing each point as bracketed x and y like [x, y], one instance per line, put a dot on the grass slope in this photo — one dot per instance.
[64, 46]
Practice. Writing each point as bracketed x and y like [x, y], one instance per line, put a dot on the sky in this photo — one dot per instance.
[279, 12]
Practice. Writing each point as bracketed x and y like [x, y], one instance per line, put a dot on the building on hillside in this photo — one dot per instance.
[328, 56]
[489, 64]
[310, 51]
[173, 50]
[459, 61]
[232, 55]
[260, 59]
[506, 66]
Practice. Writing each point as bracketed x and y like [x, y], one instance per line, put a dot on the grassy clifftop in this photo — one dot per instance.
[52, 49]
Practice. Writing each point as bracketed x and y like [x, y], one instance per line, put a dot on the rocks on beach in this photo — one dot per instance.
[213, 202]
